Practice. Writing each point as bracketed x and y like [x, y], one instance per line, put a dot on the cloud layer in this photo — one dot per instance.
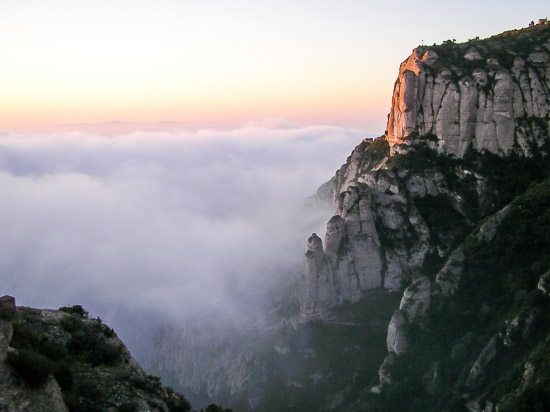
[173, 223]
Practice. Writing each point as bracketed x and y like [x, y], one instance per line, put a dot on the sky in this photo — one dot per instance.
[220, 63]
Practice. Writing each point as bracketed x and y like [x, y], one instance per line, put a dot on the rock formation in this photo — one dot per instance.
[397, 340]
[53, 360]
[317, 289]
[494, 106]
[367, 200]
[544, 283]
[453, 99]
[416, 300]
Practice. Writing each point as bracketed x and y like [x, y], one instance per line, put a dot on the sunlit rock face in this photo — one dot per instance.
[494, 107]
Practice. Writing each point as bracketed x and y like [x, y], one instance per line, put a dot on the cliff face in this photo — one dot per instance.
[60, 360]
[485, 95]
[455, 108]
[370, 199]
[213, 361]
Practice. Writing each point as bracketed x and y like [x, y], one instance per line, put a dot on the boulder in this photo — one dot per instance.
[397, 340]
[415, 302]
[478, 371]
[448, 277]
[544, 283]
[336, 230]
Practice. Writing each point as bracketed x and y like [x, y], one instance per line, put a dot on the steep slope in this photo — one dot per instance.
[60, 360]
[483, 342]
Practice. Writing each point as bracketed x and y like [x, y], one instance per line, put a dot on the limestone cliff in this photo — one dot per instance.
[482, 95]
[455, 109]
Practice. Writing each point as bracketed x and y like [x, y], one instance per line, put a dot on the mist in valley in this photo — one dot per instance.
[146, 229]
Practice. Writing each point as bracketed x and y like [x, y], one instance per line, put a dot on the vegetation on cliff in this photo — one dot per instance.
[497, 298]
[90, 365]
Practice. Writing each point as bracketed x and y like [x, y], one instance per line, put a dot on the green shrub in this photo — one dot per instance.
[26, 338]
[377, 150]
[108, 332]
[32, 367]
[93, 349]
[71, 324]
[77, 310]
[74, 404]
[144, 384]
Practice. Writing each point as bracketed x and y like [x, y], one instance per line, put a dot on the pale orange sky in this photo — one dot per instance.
[212, 61]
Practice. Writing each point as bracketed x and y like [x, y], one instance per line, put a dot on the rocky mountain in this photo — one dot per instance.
[62, 360]
[461, 104]
[431, 289]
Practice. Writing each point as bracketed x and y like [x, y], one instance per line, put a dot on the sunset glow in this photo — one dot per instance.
[218, 62]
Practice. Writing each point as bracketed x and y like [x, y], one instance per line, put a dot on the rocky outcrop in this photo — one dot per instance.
[544, 283]
[416, 300]
[57, 361]
[13, 396]
[385, 372]
[397, 341]
[367, 200]
[521, 327]
[478, 371]
[317, 293]
[447, 93]
[448, 278]
[211, 361]
[413, 311]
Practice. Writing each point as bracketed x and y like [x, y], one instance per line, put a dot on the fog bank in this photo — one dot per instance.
[169, 223]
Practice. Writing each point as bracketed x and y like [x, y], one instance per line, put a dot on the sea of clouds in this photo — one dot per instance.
[175, 223]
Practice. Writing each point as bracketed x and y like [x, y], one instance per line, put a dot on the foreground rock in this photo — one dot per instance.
[61, 360]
